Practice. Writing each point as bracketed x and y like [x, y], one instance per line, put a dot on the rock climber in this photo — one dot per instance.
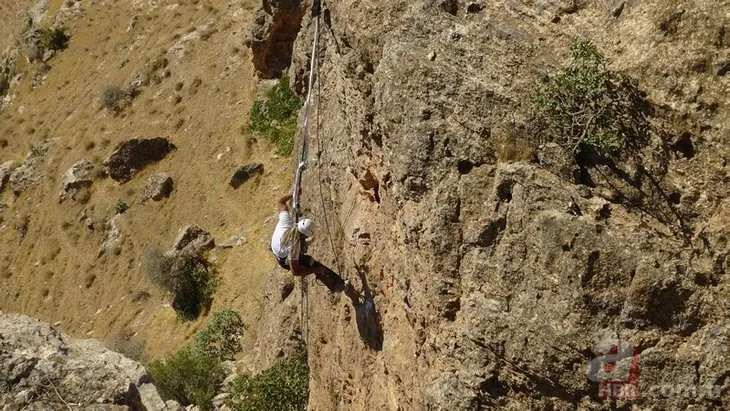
[289, 244]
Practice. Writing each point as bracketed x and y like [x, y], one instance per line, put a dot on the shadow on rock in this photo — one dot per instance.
[367, 316]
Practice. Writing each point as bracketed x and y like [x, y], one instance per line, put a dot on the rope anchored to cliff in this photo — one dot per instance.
[303, 153]
[303, 158]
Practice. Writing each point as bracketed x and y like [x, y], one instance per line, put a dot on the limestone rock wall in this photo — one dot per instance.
[41, 368]
[497, 284]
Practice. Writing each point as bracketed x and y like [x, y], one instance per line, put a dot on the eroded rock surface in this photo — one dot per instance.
[275, 27]
[5, 169]
[497, 285]
[192, 240]
[75, 178]
[112, 236]
[157, 187]
[30, 173]
[41, 368]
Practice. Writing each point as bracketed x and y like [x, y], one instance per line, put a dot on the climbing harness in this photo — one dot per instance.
[303, 157]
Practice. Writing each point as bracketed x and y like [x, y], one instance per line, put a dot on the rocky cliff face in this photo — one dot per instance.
[41, 368]
[498, 284]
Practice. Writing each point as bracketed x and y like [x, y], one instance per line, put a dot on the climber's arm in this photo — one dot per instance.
[281, 204]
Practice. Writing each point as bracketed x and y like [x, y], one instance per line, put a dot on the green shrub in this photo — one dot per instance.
[54, 38]
[120, 207]
[221, 336]
[186, 277]
[188, 377]
[583, 104]
[282, 387]
[275, 116]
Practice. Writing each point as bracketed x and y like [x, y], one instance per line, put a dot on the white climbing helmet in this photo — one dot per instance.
[306, 227]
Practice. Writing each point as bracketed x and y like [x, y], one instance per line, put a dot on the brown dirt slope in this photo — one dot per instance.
[198, 98]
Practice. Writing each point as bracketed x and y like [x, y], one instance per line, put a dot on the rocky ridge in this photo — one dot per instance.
[41, 368]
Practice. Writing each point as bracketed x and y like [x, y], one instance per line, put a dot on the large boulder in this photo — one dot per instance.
[41, 368]
[133, 155]
[30, 173]
[157, 187]
[191, 240]
[75, 178]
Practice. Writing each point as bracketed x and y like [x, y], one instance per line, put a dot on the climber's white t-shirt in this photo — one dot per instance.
[285, 222]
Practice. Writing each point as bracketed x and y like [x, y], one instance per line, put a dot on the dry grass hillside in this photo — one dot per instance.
[202, 86]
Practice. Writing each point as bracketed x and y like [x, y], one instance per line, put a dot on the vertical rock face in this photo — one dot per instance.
[498, 285]
[41, 368]
[276, 25]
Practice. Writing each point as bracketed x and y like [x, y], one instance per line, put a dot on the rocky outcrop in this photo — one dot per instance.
[75, 178]
[500, 285]
[5, 170]
[276, 25]
[244, 173]
[278, 325]
[191, 240]
[157, 187]
[41, 368]
[133, 155]
[7, 71]
[112, 237]
[30, 173]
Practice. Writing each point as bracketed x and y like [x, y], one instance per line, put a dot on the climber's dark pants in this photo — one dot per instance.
[304, 261]
[329, 278]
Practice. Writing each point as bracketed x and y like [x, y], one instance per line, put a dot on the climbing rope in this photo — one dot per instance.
[320, 155]
[303, 157]
[303, 154]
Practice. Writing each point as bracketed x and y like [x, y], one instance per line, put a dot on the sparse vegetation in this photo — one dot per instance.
[586, 104]
[140, 296]
[186, 277]
[282, 387]
[89, 279]
[275, 116]
[21, 225]
[221, 336]
[54, 38]
[111, 98]
[515, 144]
[120, 207]
[5, 272]
[188, 377]
[82, 196]
[127, 344]
[192, 375]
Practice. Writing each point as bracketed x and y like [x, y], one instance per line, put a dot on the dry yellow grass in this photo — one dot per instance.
[49, 267]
